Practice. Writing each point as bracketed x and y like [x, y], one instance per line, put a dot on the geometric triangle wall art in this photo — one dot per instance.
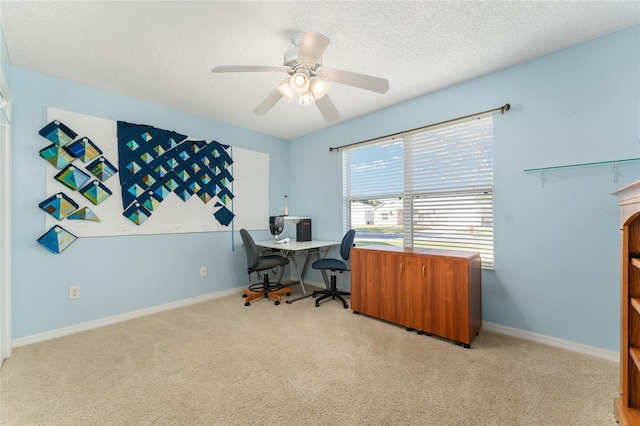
[57, 156]
[102, 169]
[59, 206]
[57, 239]
[96, 192]
[150, 200]
[83, 149]
[58, 133]
[137, 213]
[84, 213]
[224, 216]
[72, 177]
[161, 162]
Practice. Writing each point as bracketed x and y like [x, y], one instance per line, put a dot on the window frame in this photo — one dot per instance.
[459, 196]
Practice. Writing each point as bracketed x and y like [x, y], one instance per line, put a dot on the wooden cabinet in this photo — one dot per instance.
[382, 297]
[433, 291]
[627, 406]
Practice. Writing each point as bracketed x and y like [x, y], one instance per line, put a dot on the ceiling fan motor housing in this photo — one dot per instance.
[292, 60]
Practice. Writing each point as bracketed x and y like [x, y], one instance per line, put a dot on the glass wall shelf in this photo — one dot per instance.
[613, 163]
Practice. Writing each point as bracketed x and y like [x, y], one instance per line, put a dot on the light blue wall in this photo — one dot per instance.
[118, 274]
[556, 249]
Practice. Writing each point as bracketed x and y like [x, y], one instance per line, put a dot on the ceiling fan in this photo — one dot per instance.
[308, 79]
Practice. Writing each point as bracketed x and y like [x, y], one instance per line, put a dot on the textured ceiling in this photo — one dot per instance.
[163, 52]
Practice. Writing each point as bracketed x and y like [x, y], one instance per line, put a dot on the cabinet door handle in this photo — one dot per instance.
[401, 265]
[423, 270]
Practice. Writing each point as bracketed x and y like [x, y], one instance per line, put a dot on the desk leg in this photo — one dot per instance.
[308, 255]
[304, 291]
[281, 274]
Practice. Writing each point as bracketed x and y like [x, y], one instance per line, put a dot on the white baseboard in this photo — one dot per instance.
[553, 341]
[41, 337]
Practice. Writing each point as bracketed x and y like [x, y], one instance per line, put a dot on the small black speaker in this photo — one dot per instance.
[303, 230]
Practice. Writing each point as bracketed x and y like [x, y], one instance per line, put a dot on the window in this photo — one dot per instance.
[428, 188]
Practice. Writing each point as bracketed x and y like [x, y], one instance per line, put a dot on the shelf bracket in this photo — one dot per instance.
[543, 178]
[615, 172]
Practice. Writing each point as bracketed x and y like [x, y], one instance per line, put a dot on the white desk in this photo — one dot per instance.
[315, 250]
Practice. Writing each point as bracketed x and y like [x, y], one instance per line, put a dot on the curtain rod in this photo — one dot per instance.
[502, 109]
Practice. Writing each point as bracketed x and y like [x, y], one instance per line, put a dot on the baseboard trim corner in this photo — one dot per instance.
[48, 335]
[553, 341]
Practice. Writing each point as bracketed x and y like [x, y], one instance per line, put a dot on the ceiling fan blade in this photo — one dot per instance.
[327, 108]
[312, 46]
[268, 102]
[249, 68]
[366, 82]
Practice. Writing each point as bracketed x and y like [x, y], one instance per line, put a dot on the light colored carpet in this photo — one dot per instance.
[221, 363]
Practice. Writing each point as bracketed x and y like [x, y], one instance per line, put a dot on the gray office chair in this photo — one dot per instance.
[257, 263]
[334, 265]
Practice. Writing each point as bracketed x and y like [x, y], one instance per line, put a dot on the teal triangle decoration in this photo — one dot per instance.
[102, 169]
[96, 192]
[85, 213]
[72, 177]
[58, 133]
[57, 239]
[59, 205]
[137, 213]
[56, 156]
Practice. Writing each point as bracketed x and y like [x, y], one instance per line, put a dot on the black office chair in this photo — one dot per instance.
[257, 263]
[334, 265]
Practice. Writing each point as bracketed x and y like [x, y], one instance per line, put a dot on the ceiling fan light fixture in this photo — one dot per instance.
[299, 82]
[318, 88]
[285, 89]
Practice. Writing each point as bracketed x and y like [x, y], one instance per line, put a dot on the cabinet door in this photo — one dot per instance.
[382, 285]
[361, 281]
[422, 296]
[368, 275]
[444, 300]
[404, 287]
[389, 269]
[385, 290]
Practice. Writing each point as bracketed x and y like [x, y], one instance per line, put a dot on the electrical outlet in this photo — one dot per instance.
[203, 271]
[74, 292]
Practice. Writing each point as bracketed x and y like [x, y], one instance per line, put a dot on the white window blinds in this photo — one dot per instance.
[430, 188]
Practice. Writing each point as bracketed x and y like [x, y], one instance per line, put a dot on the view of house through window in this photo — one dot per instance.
[430, 188]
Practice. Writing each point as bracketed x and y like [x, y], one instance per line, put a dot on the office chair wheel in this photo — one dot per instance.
[317, 304]
[288, 294]
[247, 303]
[346, 306]
[277, 302]
[245, 295]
